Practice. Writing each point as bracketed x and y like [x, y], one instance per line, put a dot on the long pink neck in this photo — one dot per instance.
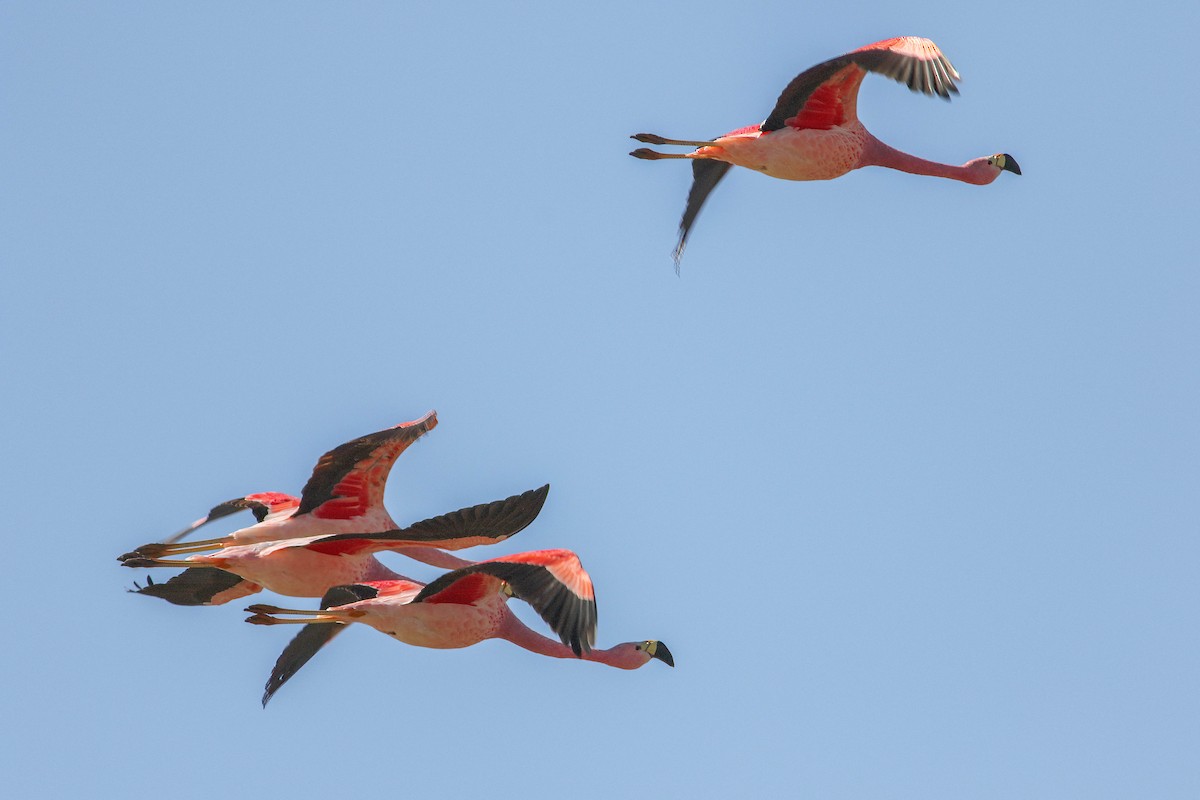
[378, 571]
[434, 557]
[878, 154]
[522, 635]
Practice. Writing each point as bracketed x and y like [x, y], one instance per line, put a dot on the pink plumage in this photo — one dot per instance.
[462, 608]
[814, 132]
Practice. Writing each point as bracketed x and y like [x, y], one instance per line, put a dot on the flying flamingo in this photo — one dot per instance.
[814, 133]
[343, 495]
[308, 566]
[462, 608]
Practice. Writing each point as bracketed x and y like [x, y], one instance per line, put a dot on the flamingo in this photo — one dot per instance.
[344, 494]
[814, 134]
[308, 566]
[462, 608]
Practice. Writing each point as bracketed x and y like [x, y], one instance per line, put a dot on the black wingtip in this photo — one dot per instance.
[706, 174]
[195, 586]
[299, 651]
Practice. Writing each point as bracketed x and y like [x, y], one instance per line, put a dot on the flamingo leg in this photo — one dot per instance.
[651, 138]
[187, 547]
[263, 619]
[325, 615]
[168, 548]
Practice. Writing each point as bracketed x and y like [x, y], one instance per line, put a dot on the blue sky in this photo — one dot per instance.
[903, 470]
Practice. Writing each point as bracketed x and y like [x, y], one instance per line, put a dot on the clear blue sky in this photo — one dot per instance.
[903, 470]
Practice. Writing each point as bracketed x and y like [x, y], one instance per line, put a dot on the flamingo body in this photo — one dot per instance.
[470, 614]
[793, 154]
[291, 569]
[814, 132]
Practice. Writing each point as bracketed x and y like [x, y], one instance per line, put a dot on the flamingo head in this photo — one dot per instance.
[987, 169]
[1005, 162]
[631, 655]
[653, 649]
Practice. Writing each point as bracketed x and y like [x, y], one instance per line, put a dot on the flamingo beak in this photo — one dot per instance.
[659, 650]
[1009, 163]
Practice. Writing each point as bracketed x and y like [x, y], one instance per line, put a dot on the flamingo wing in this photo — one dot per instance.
[349, 479]
[826, 95]
[313, 637]
[262, 504]
[552, 581]
[199, 586]
[486, 523]
[706, 174]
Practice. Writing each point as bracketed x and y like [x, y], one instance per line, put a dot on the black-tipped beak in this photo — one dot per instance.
[1011, 164]
[663, 654]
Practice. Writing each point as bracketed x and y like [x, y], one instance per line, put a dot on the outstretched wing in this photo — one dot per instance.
[313, 637]
[199, 586]
[826, 95]
[349, 479]
[262, 504]
[552, 581]
[487, 523]
[706, 174]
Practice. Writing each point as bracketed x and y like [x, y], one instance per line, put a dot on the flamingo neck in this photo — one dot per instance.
[878, 154]
[520, 634]
[378, 571]
[434, 557]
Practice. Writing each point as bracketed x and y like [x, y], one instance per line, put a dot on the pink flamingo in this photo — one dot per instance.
[343, 495]
[463, 608]
[814, 133]
[308, 566]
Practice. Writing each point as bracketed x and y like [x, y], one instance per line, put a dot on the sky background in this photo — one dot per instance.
[903, 470]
